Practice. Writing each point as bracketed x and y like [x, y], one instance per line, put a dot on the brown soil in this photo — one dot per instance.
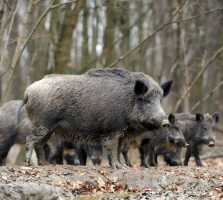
[72, 181]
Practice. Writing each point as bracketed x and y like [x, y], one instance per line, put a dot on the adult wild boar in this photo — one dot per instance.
[102, 104]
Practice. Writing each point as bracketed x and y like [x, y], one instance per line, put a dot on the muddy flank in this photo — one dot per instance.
[77, 182]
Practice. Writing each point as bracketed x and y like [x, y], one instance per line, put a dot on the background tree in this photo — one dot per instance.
[71, 37]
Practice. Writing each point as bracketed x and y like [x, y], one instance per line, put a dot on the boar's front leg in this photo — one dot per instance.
[114, 150]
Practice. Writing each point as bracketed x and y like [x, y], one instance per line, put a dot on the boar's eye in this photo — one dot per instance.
[141, 100]
[144, 100]
[148, 101]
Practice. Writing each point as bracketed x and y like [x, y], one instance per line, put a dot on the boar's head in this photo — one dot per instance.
[147, 111]
[205, 128]
[175, 135]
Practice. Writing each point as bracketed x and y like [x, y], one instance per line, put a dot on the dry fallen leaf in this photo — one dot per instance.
[4, 178]
[113, 179]
[76, 184]
[25, 168]
[101, 183]
[135, 189]
[217, 190]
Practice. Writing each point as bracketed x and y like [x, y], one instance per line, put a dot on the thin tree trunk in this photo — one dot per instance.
[62, 55]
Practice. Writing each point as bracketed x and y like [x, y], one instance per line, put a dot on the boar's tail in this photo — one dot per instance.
[24, 101]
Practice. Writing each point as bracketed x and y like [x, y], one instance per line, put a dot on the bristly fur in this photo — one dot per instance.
[100, 104]
[197, 129]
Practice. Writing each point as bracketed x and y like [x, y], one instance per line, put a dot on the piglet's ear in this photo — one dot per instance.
[216, 117]
[140, 87]
[171, 118]
[199, 117]
[166, 87]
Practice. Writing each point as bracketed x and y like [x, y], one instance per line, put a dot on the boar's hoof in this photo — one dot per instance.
[211, 144]
[29, 163]
[45, 164]
[165, 124]
[118, 166]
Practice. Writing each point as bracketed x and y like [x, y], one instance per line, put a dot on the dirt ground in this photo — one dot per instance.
[88, 182]
[58, 182]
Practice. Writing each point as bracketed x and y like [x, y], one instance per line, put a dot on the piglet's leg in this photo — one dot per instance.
[152, 157]
[195, 153]
[187, 156]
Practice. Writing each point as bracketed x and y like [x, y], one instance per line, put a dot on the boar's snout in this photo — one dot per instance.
[211, 144]
[165, 124]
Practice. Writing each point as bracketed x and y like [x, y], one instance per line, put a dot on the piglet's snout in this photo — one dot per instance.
[165, 124]
[211, 144]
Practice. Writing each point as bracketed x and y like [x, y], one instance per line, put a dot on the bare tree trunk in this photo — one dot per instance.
[109, 34]
[62, 55]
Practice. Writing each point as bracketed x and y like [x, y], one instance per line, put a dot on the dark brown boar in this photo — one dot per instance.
[102, 104]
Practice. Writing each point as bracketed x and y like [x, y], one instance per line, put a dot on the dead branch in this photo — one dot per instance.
[9, 7]
[207, 96]
[196, 16]
[217, 53]
[61, 4]
[20, 48]
[211, 156]
[149, 37]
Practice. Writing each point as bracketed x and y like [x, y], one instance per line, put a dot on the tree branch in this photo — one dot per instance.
[161, 27]
[61, 4]
[196, 16]
[149, 37]
[19, 49]
[10, 8]
[196, 78]
[207, 96]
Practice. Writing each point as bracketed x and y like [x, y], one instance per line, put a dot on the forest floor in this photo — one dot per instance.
[101, 182]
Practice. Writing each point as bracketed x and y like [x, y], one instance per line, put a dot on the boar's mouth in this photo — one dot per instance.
[208, 142]
[151, 126]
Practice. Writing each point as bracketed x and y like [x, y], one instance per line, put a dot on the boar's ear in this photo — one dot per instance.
[216, 117]
[199, 117]
[140, 87]
[171, 118]
[166, 87]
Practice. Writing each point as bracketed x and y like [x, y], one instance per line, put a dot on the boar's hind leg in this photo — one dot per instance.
[113, 153]
[37, 139]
